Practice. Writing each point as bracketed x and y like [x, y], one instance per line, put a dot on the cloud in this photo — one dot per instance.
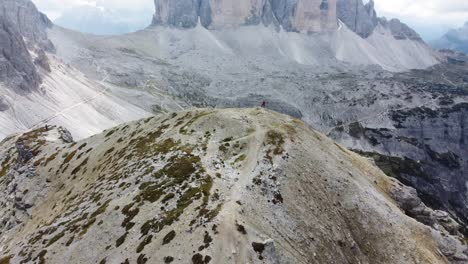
[426, 16]
[54, 8]
[429, 17]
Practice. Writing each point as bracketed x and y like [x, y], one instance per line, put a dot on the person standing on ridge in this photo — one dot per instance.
[264, 104]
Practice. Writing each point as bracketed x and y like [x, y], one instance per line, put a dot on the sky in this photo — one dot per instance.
[431, 18]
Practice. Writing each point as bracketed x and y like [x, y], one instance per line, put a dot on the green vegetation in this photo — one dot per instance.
[185, 200]
[241, 229]
[259, 248]
[144, 144]
[168, 197]
[51, 158]
[55, 238]
[129, 215]
[110, 133]
[229, 139]
[5, 260]
[168, 259]
[240, 158]
[121, 240]
[142, 259]
[70, 157]
[109, 151]
[85, 227]
[166, 146]
[223, 148]
[77, 169]
[41, 257]
[82, 146]
[150, 192]
[183, 130]
[275, 139]
[101, 209]
[143, 243]
[198, 259]
[179, 169]
[169, 237]
[5, 167]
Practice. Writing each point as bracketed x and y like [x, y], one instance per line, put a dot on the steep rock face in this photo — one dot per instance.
[16, 65]
[22, 30]
[228, 14]
[28, 21]
[360, 18]
[292, 15]
[443, 160]
[400, 30]
[181, 13]
[306, 16]
[424, 145]
[185, 187]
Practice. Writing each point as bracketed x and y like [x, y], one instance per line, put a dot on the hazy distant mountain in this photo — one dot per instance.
[455, 39]
[101, 21]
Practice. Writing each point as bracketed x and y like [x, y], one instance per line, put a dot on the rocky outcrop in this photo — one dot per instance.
[16, 66]
[427, 150]
[446, 231]
[292, 15]
[20, 181]
[22, 33]
[28, 22]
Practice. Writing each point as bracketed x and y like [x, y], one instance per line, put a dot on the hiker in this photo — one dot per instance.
[264, 104]
[46, 127]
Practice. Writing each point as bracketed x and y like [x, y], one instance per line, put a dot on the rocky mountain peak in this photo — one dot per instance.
[292, 15]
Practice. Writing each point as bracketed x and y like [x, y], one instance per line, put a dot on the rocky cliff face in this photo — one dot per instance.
[428, 150]
[23, 41]
[17, 68]
[360, 18]
[363, 19]
[28, 21]
[209, 186]
[292, 15]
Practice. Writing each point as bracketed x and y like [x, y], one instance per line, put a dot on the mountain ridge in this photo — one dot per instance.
[360, 91]
[188, 186]
[455, 39]
[313, 16]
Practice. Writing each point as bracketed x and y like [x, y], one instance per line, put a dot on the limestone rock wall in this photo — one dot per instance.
[22, 29]
[292, 15]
